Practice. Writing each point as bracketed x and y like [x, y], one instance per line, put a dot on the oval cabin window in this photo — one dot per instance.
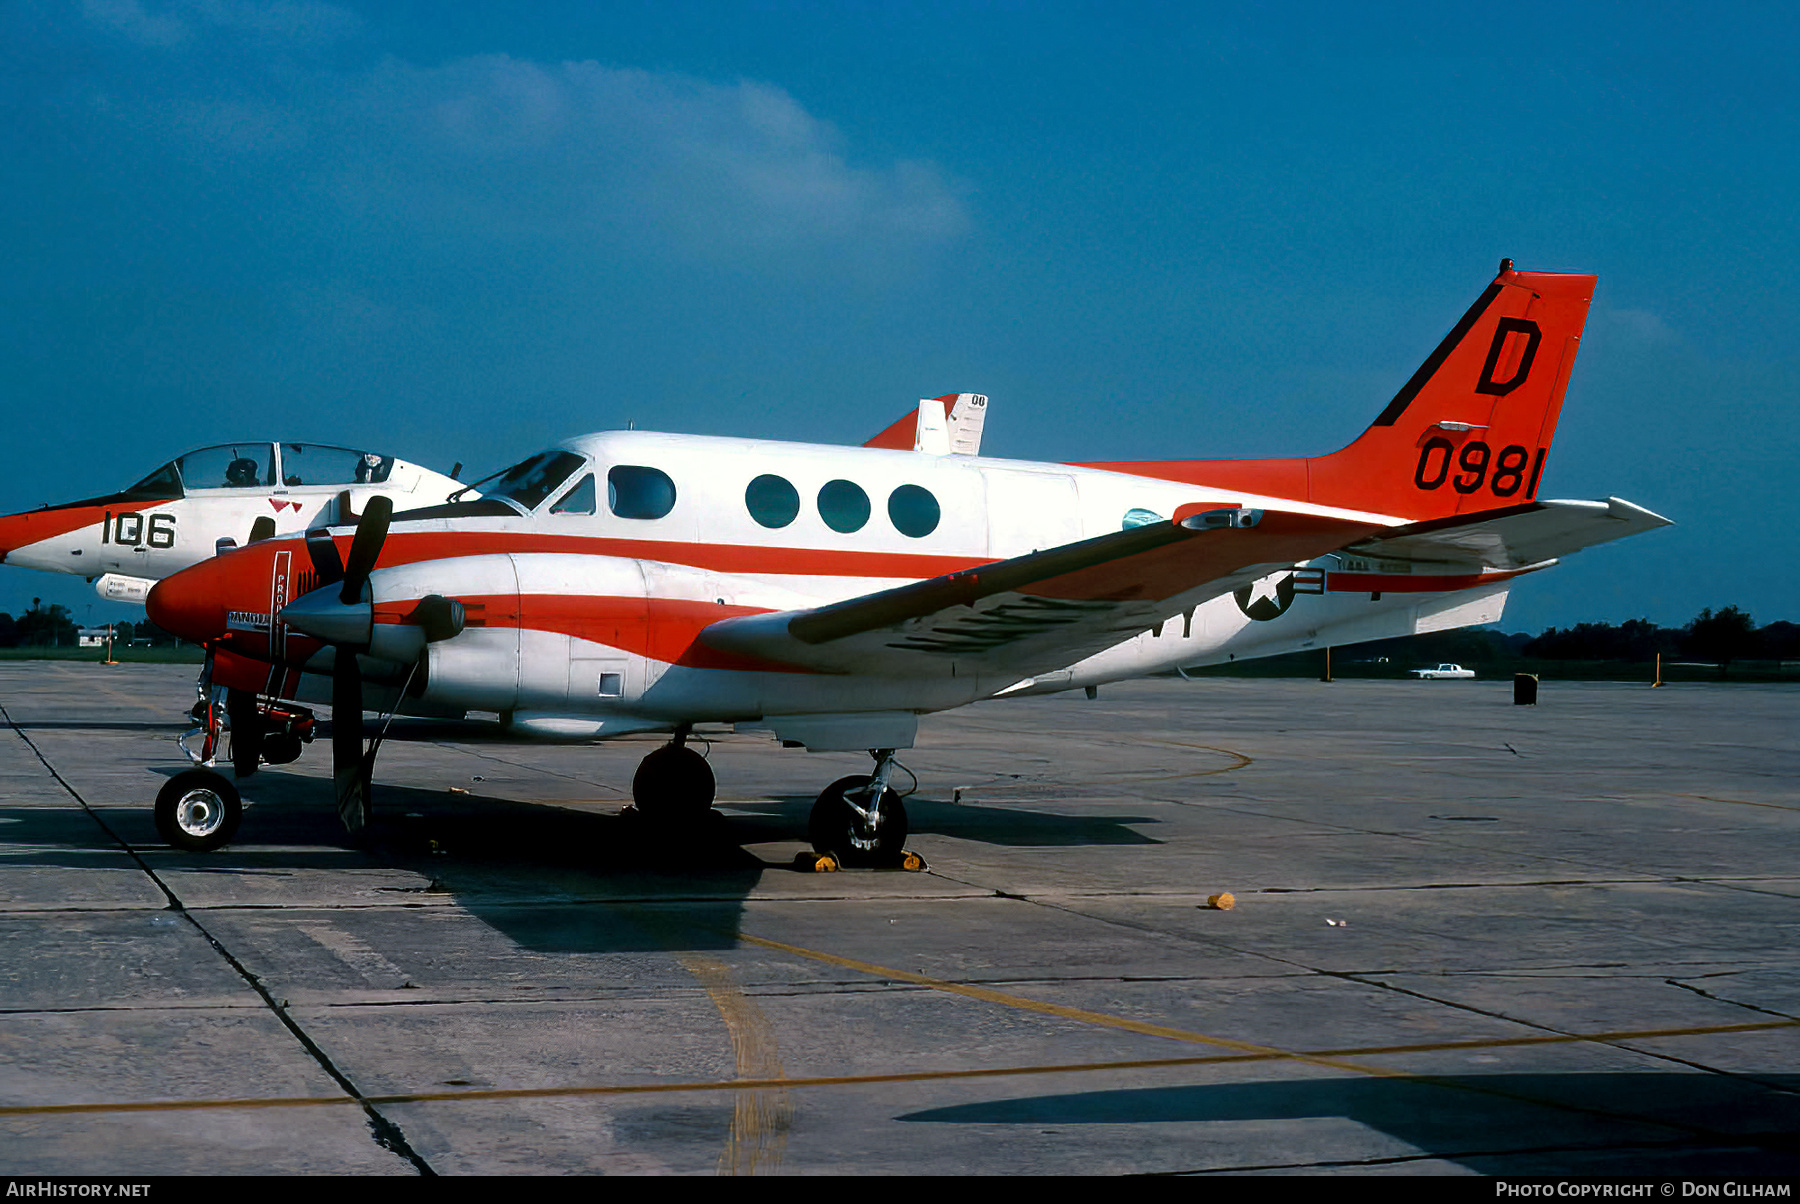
[844, 506]
[772, 501]
[913, 511]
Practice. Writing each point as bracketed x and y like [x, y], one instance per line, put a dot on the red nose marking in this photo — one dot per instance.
[34, 526]
[193, 603]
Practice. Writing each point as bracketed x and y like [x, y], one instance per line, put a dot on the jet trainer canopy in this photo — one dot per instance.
[263, 466]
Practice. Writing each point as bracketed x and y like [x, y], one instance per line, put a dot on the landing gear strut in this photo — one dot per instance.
[859, 820]
[674, 784]
[264, 731]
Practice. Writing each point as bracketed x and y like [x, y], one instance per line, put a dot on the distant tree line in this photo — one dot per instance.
[1714, 637]
[1717, 637]
[52, 627]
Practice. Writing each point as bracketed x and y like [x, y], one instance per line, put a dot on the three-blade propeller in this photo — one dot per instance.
[349, 627]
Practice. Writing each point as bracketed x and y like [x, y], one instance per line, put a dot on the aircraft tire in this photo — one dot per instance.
[281, 747]
[248, 730]
[834, 828]
[673, 783]
[198, 811]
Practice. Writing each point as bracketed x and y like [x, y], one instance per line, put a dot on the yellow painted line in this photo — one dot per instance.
[760, 1116]
[917, 1076]
[1065, 1012]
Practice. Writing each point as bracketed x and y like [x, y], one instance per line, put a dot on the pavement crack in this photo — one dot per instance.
[385, 1133]
[1704, 994]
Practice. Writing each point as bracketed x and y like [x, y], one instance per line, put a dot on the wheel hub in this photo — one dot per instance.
[199, 813]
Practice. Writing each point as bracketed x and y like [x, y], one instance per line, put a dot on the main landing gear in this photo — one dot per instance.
[859, 821]
[673, 785]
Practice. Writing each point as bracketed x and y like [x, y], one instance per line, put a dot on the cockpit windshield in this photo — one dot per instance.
[164, 483]
[529, 482]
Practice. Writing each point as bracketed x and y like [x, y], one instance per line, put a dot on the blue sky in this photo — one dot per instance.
[458, 232]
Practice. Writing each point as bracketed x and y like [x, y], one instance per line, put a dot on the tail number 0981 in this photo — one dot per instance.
[1476, 465]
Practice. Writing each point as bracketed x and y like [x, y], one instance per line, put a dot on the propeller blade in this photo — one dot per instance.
[371, 533]
[328, 567]
[349, 769]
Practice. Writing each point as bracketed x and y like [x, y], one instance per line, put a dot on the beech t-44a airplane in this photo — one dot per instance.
[633, 582]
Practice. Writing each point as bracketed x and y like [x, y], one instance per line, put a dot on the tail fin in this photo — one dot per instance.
[1470, 430]
[941, 425]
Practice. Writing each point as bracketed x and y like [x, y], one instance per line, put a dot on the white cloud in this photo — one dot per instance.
[129, 19]
[1639, 325]
[579, 156]
[587, 151]
[177, 21]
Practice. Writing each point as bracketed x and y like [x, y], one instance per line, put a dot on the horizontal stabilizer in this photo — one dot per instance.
[941, 426]
[1514, 537]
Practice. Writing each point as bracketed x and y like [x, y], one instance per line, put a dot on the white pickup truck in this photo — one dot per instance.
[1443, 671]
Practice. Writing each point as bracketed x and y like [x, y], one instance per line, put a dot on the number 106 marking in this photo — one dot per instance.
[130, 530]
[1438, 456]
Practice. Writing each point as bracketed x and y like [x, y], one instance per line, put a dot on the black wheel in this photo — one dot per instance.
[198, 810]
[673, 783]
[836, 829]
[248, 729]
[281, 747]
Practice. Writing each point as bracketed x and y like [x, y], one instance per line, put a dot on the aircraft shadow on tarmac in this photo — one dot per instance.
[1495, 1124]
[531, 871]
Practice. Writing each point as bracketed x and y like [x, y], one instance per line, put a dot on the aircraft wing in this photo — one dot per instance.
[1514, 537]
[1043, 610]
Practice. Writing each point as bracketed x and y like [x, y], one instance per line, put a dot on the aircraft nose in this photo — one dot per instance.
[192, 603]
[17, 531]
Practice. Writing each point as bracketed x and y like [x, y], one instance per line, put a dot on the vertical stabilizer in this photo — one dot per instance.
[1469, 431]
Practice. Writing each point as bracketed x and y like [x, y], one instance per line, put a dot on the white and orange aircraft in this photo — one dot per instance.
[638, 582]
[125, 542]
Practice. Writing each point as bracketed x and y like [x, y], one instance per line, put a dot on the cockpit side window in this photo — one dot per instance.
[529, 482]
[229, 466]
[634, 491]
[318, 464]
[579, 500]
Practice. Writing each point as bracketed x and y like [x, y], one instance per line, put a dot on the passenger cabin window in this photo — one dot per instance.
[844, 506]
[318, 464]
[529, 482]
[772, 501]
[633, 491]
[579, 500]
[230, 466]
[913, 511]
